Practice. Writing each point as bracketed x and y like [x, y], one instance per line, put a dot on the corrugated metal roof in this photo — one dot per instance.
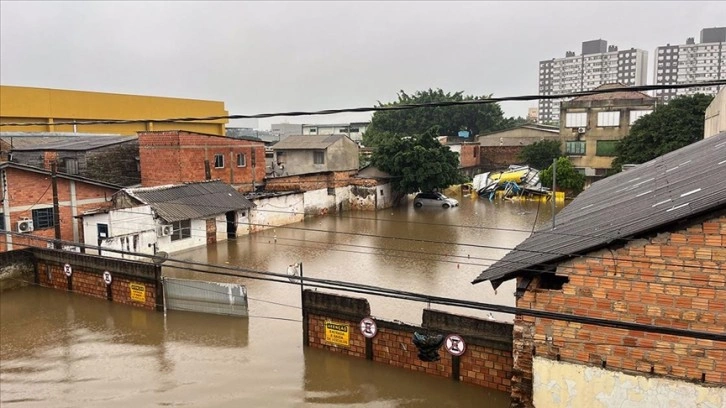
[681, 184]
[307, 142]
[192, 200]
[50, 141]
[614, 95]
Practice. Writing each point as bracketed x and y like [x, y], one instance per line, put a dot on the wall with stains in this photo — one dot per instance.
[562, 384]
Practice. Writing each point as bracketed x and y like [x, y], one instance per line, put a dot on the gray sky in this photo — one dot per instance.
[266, 56]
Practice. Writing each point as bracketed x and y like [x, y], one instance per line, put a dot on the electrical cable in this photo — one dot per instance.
[399, 294]
[381, 108]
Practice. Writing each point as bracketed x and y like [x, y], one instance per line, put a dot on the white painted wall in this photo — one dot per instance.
[274, 211]
[560, 384]
[319, 202]
[384, 197]
[198, 238]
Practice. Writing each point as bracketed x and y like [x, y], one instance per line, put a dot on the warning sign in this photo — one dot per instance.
[137, 292]
[337, 333]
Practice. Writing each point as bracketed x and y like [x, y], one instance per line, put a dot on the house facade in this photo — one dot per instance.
[110, 158]
[177, 156]
[27, 210]
[315, 154]
[593, 125]
[715, 116]
[354, 130]
[624, 302]
[501, 149]
[169, 218]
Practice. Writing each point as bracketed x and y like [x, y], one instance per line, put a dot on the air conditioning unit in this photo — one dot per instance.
[25, 226]
[165, 230]
[581, 130]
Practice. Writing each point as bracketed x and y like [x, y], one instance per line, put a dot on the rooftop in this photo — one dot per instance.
[191, 200]
[26, 141]
[307, 142]
[682, 184]
[613, 95]
[38, 170]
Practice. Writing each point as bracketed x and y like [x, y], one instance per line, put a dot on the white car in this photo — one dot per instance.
[434, 200]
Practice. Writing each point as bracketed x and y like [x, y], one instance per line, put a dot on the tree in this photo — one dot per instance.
[567, 177]
[669, 127]
[417, 163]
[540, 154]
[445, 120]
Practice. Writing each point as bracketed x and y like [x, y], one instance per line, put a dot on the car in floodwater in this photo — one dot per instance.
[434, 200]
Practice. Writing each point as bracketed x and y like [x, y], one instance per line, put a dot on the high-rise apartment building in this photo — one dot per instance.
[598, 64]
[691, 62]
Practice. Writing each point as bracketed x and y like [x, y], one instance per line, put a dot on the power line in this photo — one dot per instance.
[405, 295]
[382, 108]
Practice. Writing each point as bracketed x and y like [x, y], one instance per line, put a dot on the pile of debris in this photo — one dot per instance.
[516, 181]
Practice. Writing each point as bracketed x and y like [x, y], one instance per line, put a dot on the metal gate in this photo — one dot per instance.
[205, 297]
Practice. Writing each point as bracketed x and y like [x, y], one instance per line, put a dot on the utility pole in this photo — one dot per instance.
[56, 206]
[554, 191]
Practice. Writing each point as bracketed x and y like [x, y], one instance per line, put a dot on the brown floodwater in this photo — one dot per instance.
[63, 350]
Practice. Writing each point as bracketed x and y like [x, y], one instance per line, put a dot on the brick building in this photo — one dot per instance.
[644, 252]
[171, 157]
[501, 148]
[27, 204]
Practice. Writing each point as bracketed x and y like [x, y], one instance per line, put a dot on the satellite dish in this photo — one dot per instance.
[159, 258]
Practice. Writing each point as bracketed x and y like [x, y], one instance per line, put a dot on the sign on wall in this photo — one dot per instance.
[337, 333]
[137, 292]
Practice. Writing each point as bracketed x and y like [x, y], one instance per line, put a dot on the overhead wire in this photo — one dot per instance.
[406, 295]
[381, 108]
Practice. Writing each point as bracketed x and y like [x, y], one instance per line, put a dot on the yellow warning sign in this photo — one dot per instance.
[337, 333]
[137, 292]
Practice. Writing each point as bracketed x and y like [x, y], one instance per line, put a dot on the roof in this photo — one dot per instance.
[532, 126]
[372, 172]
[307, 142]
[685, 183]
[38, 170]
[191, 200]
[613, 95]
[23, 141]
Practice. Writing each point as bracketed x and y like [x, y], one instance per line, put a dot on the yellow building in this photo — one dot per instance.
[50, 106]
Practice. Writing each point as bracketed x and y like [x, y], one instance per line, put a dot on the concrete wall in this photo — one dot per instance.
[24, 104]
[274, 211]
[23, 191]
[486, 362]
[174, 157]
[340, 156]
[519, 136]
[567, 385]
[674, 279]
[499, 157]
[716, 115]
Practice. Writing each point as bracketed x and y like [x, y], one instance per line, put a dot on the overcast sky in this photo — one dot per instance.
[271, 57]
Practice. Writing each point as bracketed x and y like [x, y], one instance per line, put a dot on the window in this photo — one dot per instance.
[575, 148]
[354, 130]
[218, 161]
[611, 118]
[71, 166]
[573, 120]
[182, 229]
[313, 130]
[241, 160]
[606, 148]
[331, 191]
[343, 130]
[2, 222]
[319, 157]
[43, 218]
[637, 114]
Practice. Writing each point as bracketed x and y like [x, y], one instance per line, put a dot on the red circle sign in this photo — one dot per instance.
[455, 345]
[368, 328]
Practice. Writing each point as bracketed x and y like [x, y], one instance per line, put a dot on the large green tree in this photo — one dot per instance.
[540, 154]
[417, 163]
[444, 120]
[567, 177]
[670, 127]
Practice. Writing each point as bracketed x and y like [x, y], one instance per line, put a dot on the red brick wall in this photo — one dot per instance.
[26, 188]
[173, 157]
[488, 366]
[90, 283]
[469, 156]
[497, 157]
[314, 181]
[675, 280]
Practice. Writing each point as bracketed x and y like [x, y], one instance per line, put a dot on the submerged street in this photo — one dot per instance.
[65, 350]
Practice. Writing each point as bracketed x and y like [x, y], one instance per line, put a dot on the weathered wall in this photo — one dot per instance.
[274, 211]
[486, 362]
[567, 385]
[715, 117]
[87, 277]
[498, 157]
[674, 279]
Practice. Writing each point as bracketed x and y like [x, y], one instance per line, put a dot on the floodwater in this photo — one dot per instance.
[63, 350]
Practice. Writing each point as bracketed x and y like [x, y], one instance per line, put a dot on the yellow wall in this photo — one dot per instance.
[22, 104]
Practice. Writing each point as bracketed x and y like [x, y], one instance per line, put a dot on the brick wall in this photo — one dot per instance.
[29, 190]
[675, 279]
[172, 157]
[497, 157]
[469, 156]
[313, 181]
[487, 361]
[87, 277]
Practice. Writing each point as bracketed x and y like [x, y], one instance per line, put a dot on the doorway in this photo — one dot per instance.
[231, 224]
